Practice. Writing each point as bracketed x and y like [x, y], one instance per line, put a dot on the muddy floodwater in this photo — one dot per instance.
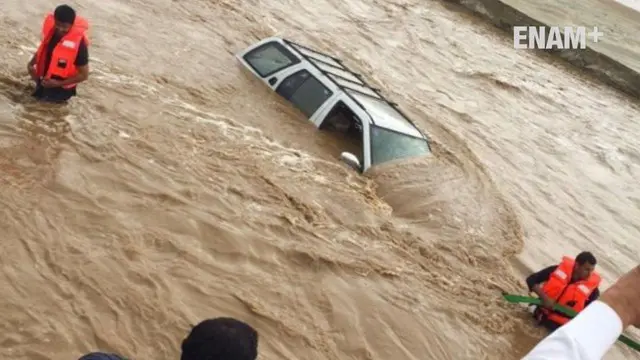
[178, 187]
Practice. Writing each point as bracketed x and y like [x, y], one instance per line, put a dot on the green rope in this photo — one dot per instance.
[570, 313]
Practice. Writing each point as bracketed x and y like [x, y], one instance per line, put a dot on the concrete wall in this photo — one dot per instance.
[601, 66]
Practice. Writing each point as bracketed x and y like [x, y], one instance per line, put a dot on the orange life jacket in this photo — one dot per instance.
[65, 51]
[573, 295]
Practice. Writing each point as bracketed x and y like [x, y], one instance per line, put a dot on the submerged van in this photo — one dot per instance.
[333, 96]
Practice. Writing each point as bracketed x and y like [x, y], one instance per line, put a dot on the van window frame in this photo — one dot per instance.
[293, 91]
[280, 47]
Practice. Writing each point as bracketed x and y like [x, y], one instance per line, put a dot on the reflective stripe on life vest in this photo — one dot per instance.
[573, 295]
[62, 65]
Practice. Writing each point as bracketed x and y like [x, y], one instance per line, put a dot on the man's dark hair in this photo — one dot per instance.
[586, 257]
[221, 339]
[65, 14]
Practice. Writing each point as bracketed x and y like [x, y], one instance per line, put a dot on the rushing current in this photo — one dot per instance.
[178, 187]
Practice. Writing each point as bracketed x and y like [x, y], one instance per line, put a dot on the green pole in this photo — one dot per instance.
[570, 313]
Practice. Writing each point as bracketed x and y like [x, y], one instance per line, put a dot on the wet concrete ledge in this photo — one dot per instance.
[597, 64]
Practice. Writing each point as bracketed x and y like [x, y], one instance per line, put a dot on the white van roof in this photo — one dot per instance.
[383, 113]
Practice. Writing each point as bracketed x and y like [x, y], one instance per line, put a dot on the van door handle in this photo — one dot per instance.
[273, 80]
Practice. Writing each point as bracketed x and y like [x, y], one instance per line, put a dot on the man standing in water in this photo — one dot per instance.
[572, 283]
[62, 58]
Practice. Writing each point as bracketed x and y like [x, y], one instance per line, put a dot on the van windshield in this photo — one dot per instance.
[387, 145]
[270, 58]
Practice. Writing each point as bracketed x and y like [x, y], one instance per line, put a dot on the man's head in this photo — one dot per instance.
[585, 264]
[221, 338]
[64, 16]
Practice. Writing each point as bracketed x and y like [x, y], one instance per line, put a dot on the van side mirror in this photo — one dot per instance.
[351, 160]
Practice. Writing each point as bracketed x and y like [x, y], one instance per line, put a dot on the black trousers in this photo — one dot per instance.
[54, 95]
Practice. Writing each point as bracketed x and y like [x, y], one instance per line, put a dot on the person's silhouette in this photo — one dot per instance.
[212, 339]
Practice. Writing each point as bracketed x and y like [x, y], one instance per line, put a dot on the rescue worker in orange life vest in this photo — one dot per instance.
[62, 59]
[572, 283]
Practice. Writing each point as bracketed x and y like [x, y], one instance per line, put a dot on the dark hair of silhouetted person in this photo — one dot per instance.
[221, 339]
[586, 257]
[65, 14]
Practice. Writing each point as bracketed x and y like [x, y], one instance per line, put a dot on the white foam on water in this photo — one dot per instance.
[119, 79]
[292, 158]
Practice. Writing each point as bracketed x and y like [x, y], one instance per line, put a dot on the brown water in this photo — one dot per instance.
[176, 187]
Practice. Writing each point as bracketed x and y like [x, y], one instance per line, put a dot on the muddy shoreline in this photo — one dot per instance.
[595, 63]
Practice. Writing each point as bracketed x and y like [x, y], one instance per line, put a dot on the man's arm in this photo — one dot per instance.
[536, 279]
[82, 75]
[31, 69]
[82, 64]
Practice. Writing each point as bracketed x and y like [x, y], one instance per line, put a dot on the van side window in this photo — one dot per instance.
[305, 91]
[269, 58]
[342, 121]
